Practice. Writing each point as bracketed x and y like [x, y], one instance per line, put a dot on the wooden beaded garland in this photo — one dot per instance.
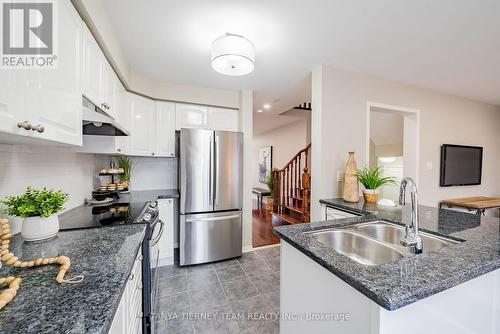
[8, 258]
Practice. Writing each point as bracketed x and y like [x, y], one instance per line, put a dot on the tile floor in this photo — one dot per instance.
[234, 296]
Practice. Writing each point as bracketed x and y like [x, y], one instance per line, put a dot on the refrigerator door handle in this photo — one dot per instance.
[210, 219]
[211, 172]
[216, 177]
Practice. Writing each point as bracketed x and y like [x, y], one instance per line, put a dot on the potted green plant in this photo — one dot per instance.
[126, 164]
[39, 209]
[270, 185]
[372, 179]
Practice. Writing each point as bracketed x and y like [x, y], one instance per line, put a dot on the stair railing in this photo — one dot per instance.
[292, 183]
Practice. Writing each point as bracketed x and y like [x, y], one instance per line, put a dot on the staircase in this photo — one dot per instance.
[292, 190]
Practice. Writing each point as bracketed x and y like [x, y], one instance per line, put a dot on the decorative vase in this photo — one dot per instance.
[40, 228]
[351, 185]
[269, 204]
[370, 195]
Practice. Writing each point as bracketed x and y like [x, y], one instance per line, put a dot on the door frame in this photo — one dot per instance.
[407, 112]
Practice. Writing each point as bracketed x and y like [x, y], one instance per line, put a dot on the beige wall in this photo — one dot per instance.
[286, 141]
[339, 125]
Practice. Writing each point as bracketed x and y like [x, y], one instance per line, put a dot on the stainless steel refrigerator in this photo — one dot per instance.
[211, 173]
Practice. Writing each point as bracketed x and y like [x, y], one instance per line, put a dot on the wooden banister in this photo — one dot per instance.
[292, 184]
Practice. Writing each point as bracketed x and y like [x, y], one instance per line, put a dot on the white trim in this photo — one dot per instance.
[247, 249]
[405, 110]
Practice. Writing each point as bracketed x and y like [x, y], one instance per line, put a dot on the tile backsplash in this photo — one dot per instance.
[147, 173]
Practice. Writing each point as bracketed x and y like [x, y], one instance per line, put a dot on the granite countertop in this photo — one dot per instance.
[148, 195]
[105, 257]
[397, 284]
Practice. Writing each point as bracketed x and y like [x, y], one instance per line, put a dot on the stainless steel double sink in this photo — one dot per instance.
[376, 242]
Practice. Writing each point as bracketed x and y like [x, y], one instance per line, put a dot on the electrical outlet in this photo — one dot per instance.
[340, 176]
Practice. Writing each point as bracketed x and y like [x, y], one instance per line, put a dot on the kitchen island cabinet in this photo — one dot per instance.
[451, 289]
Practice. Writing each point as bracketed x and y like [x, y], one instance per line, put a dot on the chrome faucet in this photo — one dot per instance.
[412, 238]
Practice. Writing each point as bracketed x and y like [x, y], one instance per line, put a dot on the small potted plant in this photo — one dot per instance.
[371, 179]
[126, 165]
[270, 185]
[39, 209]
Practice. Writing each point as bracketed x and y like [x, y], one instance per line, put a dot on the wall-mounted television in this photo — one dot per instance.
[460, 165]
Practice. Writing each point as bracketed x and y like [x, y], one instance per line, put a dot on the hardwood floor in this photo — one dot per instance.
[262, 228]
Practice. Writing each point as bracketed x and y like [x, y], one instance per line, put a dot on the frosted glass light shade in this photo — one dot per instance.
[233, 55]
[387, 159]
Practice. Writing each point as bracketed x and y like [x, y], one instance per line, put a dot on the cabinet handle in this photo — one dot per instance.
[131, 277]
[171, 154]
[153, 153]
[39, 128]
[139, 315]
[105, 105]
[118, 150]
[25, 125]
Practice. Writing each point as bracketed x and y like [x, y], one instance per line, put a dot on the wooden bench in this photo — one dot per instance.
[478, 203]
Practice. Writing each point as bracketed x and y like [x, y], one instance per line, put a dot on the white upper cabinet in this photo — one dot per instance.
[12, 101]
[49, 99]
[92, 67]
[100, 83]
[222, 119]
[190, 116]
[165, 129]
[142, 126]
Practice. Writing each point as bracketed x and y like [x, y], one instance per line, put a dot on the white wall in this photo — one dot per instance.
[246, 126]
[286, 141]
[43, 166]
[339, 125]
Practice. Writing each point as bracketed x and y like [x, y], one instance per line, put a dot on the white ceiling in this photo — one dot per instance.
[448, 45]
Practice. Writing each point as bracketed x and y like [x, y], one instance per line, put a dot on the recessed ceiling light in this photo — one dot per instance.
[266, 106]
[260, 110]
[233, 55]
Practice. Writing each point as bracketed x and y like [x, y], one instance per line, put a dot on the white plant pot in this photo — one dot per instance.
[40, 228]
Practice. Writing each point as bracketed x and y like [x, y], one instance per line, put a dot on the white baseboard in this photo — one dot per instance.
[251, 248]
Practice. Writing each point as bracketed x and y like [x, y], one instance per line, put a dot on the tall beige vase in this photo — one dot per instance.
[351, 185]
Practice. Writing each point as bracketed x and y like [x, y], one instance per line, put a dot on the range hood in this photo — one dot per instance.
[97, 123]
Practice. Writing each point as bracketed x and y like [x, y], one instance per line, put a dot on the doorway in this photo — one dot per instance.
[393, 143]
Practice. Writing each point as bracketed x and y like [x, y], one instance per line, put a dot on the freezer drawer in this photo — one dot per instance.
[210, 237]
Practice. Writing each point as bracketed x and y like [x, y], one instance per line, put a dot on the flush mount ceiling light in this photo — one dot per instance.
[233, 55]
[387, 159]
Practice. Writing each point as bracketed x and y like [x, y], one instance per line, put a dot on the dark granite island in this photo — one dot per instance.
[105, 257]
[455, 289]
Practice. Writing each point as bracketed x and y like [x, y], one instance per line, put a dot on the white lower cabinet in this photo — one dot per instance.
[329, 213]
[166, 243]
[128, 316]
